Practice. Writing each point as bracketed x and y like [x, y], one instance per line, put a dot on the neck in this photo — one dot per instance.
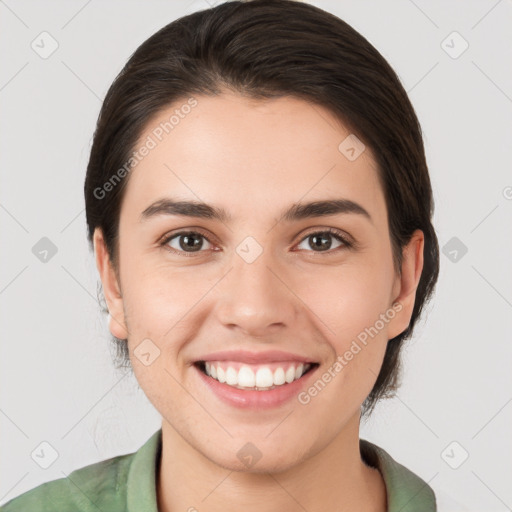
[334, 479]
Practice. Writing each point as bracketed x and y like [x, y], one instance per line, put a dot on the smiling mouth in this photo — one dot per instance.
[261, 377]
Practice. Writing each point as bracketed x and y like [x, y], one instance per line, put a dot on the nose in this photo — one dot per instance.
[256, 299]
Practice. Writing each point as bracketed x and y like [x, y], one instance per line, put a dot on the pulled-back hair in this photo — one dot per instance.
[268, 49]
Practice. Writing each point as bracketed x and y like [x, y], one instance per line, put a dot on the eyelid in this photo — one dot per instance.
[347, 241]
[164, 240]
[345, 238]
[171, 234]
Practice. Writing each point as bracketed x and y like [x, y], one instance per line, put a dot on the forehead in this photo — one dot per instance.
[249, 155]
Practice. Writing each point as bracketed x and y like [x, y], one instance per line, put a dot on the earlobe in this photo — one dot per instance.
[412, 267]
[111, 288]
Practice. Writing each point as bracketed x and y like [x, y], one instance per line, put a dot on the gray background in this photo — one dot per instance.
[58, 383]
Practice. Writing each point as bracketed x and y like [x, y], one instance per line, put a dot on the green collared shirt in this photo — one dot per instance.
[127, 483]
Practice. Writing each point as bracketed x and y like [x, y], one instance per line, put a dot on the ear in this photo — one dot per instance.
[111, 287]
[404, 289]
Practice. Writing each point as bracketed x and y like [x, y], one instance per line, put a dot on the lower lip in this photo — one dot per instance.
[252, 399]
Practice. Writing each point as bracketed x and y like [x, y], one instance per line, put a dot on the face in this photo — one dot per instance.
[255, 292]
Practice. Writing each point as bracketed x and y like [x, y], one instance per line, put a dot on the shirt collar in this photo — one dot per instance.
[142, 476]
[405, 490]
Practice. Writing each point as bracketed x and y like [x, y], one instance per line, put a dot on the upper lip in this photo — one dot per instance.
[245, 356]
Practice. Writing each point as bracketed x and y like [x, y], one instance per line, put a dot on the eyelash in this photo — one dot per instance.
[332, 231]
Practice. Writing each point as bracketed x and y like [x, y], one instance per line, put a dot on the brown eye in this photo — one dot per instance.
[322, 241]
[186, 242]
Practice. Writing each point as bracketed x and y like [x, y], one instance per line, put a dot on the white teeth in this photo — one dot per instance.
[231, 376]
[279, 377]
[246, 377]
[221, 376]
[290, 374]
[263, 378]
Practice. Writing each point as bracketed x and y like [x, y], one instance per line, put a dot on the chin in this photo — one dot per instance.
[255, 459]
[262, 466]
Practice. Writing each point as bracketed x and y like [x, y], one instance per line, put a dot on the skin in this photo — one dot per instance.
[255, 158]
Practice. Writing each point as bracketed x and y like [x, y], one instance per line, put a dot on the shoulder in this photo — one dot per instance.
[99, 486]
[407, 492]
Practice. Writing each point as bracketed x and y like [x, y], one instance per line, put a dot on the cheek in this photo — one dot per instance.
[349, 303]
[349, 298]
[157, 301]
[164, 302]
[152, 295]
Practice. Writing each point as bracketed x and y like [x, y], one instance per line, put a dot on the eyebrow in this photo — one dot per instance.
[297, 211]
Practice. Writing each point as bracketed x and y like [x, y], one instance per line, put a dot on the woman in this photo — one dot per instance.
[260, 208]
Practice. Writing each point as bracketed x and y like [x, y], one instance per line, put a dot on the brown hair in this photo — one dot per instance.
[267, 49]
